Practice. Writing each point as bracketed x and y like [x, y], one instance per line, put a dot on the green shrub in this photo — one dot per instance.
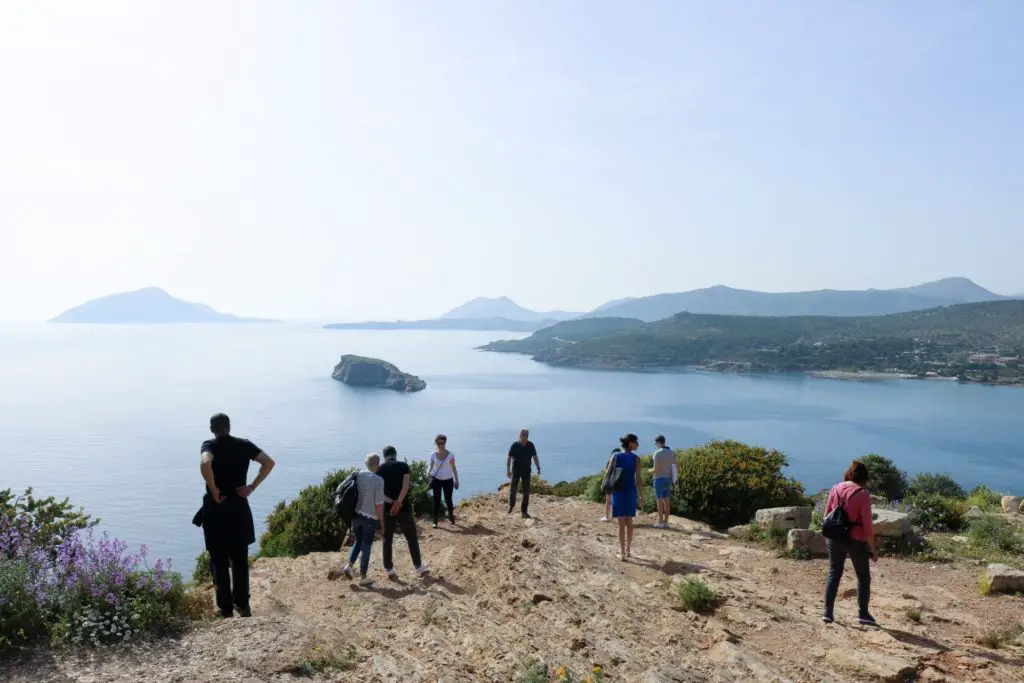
[697, 596]
[21, 616]
[990, 532]
[51, 519]
[884, 478]
[308, 523]
[985, 499]
[724, 483]
[573, 489]
[934, 512]
[594, 492]
[936, 484]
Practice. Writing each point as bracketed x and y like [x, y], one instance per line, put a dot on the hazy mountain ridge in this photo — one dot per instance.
[468, 324]
[503, 307]
[723, 300]
[150, 305]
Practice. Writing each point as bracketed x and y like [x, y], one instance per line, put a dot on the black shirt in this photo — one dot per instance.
[393, 472]
[522, 456]
[231, 458]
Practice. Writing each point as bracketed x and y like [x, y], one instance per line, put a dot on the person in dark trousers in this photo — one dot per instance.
[398, 511]
[444, 478]
[520, 455]
[228, 528]
[853, 496]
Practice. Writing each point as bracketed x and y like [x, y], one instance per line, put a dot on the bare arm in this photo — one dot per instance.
[455, 473]
[406, 485]
[206, 469]
[640, 485]
[266, 464]
[536, 461]
[508, 465]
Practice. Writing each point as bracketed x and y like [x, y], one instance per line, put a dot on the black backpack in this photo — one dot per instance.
[837, 525]
[346, 498]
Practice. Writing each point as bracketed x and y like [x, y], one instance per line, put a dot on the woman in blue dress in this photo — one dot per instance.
[624, 501]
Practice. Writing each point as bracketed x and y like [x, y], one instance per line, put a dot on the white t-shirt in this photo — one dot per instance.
[442, 471]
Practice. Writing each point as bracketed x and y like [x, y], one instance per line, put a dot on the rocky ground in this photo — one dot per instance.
[506, 594]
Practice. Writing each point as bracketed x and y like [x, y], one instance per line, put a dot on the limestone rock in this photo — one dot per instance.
[1004, 579]
[793, 517]
[741, 532]
[871, 664]
[360, 371]
[1012, 504]
[805, 539]
[891, 524]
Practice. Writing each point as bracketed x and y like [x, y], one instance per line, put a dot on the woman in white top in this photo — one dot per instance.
[444, 478]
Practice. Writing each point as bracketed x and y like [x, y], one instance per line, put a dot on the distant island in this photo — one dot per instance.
[471, 324]
[722, 300]
[147, 306]
[360, 371]
[981, 342]
[481, 314]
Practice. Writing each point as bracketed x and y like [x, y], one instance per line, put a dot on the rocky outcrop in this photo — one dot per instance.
[1003, 579]
[1012, 504]
[360, 371]
[891, 524]
[784, 518]
[805, 540]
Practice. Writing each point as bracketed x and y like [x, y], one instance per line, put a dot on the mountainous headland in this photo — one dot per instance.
[465, 324]
[722, 300]
[360, 371]
[982, 342]
[503, 307]
[147, 306]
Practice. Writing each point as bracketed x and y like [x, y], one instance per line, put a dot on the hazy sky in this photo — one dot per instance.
[353, 160]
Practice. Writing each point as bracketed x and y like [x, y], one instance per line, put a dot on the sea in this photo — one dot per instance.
[112, 417]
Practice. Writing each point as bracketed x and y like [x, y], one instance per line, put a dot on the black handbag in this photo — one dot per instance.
[613, 479]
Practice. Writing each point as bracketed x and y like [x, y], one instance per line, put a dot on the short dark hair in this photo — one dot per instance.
[389, 452]
[660, 438]
[857, 472]
[220, 423]
[627, 439]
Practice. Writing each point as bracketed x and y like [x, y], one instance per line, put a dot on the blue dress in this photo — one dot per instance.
[624, 501]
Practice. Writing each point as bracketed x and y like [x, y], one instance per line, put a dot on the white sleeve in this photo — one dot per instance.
[675, 473]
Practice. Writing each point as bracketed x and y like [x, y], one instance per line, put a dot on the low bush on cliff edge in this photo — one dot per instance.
[59, 580]
[307, 524]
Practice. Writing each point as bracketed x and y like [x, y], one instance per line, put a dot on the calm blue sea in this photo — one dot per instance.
[113, 416]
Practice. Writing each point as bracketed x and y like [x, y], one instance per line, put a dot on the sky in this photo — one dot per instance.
[383, 160]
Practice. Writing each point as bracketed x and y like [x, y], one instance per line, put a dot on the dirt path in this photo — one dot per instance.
[506, 593]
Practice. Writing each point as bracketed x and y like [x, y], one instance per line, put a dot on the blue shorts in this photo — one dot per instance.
[663, 487]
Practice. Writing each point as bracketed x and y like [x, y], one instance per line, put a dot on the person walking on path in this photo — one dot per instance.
[853, 496]
[398, 511]
[226, 517]
[444, 478]
[631, 491]
[368, 518]
[521, 455]
[664, 463]
[608, 497]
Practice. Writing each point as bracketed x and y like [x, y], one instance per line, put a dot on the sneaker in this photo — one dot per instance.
[347, 571]
[434, 525]
[827, 619]
[393, 575]
[603, 519]
[867, 621]
[365, 582]
[422, 570]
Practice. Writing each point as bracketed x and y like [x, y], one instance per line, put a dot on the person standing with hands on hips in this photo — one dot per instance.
[517, 468]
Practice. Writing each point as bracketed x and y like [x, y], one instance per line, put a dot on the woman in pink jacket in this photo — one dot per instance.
[855, 499]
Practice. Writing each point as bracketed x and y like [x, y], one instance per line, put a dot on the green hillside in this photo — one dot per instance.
[946, 341]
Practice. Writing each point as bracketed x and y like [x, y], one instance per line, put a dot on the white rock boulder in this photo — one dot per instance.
[1004, 579]
[891, 524]
[784, 518]
[1012, 504]
[810, 541]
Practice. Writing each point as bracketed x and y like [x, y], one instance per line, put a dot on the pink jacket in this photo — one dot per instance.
[858, 508]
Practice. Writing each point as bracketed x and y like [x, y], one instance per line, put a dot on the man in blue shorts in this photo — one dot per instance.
[664, 460]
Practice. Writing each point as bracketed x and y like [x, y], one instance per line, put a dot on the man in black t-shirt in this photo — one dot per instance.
[228, 528]
[520, 455]
[398, 511]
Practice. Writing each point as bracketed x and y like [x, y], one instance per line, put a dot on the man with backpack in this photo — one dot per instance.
[366, 516]
[849, 531]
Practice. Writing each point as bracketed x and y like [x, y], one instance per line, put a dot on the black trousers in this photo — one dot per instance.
[405, 521]
[860, 556]
[230, 568]
[445, 486]
[516, 478]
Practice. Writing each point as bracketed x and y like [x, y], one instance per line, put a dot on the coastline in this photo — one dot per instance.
[728, 367]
